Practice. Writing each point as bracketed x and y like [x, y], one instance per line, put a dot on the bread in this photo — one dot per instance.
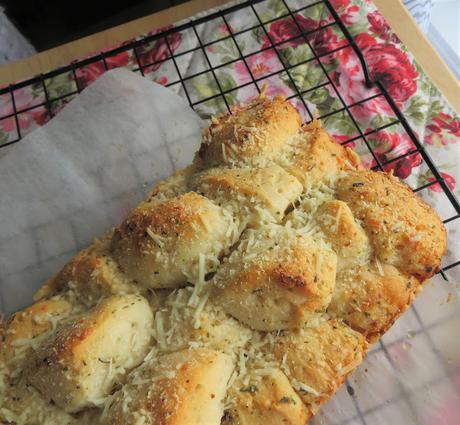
[402, 228]
[273, 401]
[254, 194]
[276, 280]
[92, 274]
[371, 307]
[318, 359]
[242, 291]
[78, 366]
[184, 387]
[254, 135]
[160, 245]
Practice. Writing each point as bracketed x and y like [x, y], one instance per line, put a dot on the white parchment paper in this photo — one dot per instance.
[76, 177]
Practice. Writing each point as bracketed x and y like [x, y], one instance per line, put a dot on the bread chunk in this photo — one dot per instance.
[23, 404]
[402, 228]
[272, 401]
[182, 388]
[24, 328]
[256, 194]
[370, 298]
[253, 135]
[318, 359]
[78, 366]
[276, 279]
[92, 274]
[160, 246]
[313, 157]
[347, 237]
[171, 187]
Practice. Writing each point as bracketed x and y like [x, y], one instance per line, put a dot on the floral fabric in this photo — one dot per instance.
[295, 48]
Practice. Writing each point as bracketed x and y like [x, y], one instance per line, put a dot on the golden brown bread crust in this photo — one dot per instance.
[23, 404]
[313, 157]
[318, 359]
[403, 230]
[171, 187]
[265, 305]
[251, 190]
[159, 246]
[92, 274]
[272, 401]
[250, 136]
[30, 323]
[276, 280]
[181, 388]
[370, 298]
[347, 237]
[77, 367]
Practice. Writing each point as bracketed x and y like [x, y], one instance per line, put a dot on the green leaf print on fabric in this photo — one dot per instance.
[60, 85]
[318, 97]
[202, 87]
[357, 28]
[293, 55]
[435, 109]
[416, 109]
[340, 123]
[272, 9]
[3, 138]
[258, 33]
[307, 76]
[382, 120]
[317, 12]
[225, 47]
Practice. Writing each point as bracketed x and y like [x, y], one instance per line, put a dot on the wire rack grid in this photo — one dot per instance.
[309, 38]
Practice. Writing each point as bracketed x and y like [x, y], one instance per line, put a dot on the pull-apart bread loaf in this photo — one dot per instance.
[242, 291]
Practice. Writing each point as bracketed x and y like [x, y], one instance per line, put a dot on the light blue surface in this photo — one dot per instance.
[440, 20]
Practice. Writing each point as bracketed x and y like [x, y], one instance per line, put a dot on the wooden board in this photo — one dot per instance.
[393, 10]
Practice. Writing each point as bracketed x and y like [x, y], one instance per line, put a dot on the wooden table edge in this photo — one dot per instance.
[394, 11]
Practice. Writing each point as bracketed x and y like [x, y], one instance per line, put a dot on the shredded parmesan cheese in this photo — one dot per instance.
[379, 267]
[301, 386]
[156, 238]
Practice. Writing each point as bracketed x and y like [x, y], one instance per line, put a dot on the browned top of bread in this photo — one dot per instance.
[158, 245]
[93, 274]
[272, 402]
[243, 290]
[275, 280]
[171, 391]
[318, 359]
[403, 229]
[314, 157]
[250, 135]
[255, 194]
[368, 297]
[80, 363]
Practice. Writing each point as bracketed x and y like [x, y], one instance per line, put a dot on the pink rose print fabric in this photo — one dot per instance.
[88, 74]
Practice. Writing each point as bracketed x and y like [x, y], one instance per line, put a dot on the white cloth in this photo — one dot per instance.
[13, 45]
[421, 11]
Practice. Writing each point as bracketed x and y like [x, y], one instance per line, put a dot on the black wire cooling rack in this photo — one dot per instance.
[308, 37]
